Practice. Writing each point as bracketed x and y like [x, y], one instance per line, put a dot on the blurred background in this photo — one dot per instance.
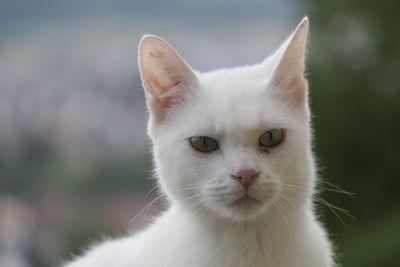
[74, 156]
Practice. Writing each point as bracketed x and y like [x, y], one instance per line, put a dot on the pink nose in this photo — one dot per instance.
[246, 176]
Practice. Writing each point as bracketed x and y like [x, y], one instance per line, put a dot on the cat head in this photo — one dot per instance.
[231, 142]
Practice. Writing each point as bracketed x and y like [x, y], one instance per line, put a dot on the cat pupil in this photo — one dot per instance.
[271, 138]
[204, 144]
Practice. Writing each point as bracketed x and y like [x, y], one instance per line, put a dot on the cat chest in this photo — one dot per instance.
[250, 249]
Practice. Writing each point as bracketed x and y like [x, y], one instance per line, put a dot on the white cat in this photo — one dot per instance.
[233, 155]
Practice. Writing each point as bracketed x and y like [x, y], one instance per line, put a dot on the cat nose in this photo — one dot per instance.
[246, 176]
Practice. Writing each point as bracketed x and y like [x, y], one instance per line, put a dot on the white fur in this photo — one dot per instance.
[201, 229]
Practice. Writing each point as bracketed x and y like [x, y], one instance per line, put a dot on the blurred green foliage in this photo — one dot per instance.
[354, 68]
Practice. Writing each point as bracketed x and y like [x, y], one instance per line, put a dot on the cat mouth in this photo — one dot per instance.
[244, 200]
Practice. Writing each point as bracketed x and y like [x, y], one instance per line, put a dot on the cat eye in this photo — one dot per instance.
[271, 138]
[204, 144]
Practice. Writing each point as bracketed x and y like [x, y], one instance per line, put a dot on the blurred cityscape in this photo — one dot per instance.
[75, 164]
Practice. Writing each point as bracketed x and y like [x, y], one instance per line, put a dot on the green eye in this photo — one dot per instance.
[271, 138]
[204, 144]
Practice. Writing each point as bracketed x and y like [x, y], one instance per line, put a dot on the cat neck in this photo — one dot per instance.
[258, 241]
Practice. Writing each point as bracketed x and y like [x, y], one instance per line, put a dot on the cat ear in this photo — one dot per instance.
[288, 76]
[165, 75]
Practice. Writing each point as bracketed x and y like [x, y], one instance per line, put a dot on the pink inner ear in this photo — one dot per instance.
[296, 89]
[161, 103]
[160, 106]
[168, 86]
[291, 89]
[158, 89]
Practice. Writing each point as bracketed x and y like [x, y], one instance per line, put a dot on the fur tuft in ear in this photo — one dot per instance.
[288, 76]
[165, 75]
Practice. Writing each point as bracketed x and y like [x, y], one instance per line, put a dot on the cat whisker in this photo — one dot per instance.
[191, 197]
[185, 188]
[338, 189]
[300, 185]
[335, 188]
[322, 201]
[288, 200]
[333, 209]
[155, 187]
[205, 213]
[346, 212]
[285, 215]
[146, 208]
[188, 185]
[352, 195]
[296, 189]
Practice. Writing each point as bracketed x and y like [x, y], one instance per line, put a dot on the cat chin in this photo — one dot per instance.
[242, 210]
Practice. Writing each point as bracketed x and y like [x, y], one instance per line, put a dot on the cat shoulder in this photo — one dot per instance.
[105, 254]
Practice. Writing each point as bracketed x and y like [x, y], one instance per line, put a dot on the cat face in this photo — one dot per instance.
[227, 142]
